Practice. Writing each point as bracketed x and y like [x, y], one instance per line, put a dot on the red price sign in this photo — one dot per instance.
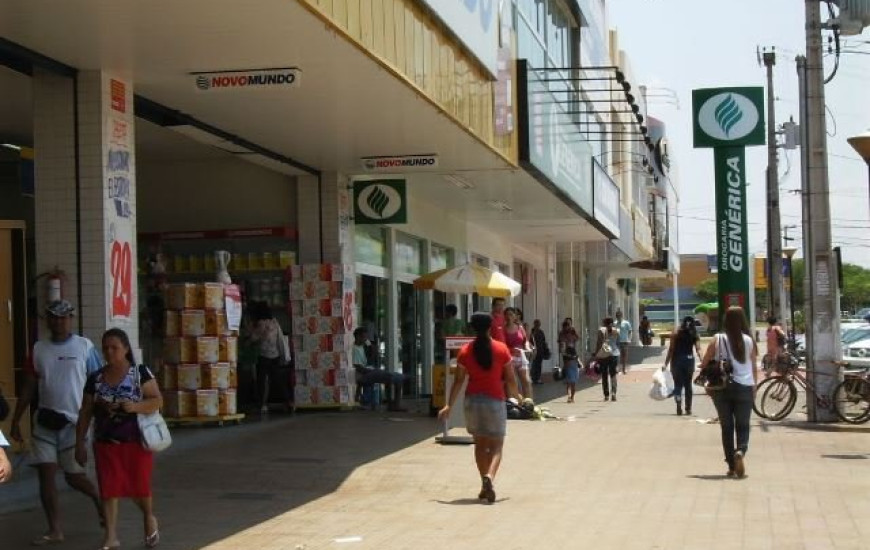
[121, 265]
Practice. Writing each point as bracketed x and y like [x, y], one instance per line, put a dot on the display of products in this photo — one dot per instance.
[322, 304]
[199, 353]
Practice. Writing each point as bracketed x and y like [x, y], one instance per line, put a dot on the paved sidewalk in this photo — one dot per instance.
[623, 475]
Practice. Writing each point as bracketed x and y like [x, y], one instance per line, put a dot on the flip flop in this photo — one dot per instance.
[153, 539]
[46, 540]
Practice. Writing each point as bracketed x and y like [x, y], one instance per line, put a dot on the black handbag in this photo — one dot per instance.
[4, 407]
[51, 420]
[714, 375]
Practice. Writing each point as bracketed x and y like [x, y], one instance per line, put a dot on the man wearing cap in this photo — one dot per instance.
[59, 367]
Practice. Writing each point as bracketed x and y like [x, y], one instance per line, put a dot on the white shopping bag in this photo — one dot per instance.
[662, 385]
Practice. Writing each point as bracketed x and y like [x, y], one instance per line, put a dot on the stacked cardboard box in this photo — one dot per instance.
[322, 307]
[199, 373]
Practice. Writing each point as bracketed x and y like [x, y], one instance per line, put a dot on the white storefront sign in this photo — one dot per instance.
[252, 79]
[606, 200]
[474, 22]
[119, 197]
[402, 163]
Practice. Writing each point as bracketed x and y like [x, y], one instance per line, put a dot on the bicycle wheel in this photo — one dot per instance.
[759, 394]
[852, 400]
[778, 397]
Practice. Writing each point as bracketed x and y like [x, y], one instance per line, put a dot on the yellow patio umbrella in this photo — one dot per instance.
[468, 279]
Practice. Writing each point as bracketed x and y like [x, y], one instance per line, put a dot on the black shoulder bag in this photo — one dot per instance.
[714, 375]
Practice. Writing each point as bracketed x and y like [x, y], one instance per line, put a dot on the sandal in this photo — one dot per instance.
[46, 540]
[488, 491]
[153, 539]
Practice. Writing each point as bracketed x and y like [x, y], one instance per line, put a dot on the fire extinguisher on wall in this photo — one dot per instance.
[54, 283]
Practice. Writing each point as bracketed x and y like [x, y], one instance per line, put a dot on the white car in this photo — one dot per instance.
[857, 353]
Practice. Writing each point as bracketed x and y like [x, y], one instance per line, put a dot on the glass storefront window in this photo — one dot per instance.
[441, 258]
[409, 258]
[370, 245]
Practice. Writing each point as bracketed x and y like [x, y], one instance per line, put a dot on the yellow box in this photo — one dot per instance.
[227, 402]
[207, 403]
[172, 323]
[193, 322]
[189, 377]
[255, 261]
[286, 258]
[180, 264]
[185, 296]
[234, 374]
[216, 323]
[240, 261]
[196, 263]
[216, 377]
[209, 264]
[207, 349]
[168, 377]
[178, 404]
[228, 349]
[270, 260]
[213, 296]
[179, 350]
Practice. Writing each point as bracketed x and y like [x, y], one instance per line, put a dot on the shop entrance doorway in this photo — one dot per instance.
[13, 315]
[411, 336]
[373, 303]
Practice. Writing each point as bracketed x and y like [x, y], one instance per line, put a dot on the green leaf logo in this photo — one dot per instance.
[727, 114]
[378, 201]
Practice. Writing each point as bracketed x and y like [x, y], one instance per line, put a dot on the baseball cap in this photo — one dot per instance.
[60, 308]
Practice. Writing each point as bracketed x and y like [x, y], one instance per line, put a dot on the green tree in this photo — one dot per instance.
[855, 291]
[708, 289]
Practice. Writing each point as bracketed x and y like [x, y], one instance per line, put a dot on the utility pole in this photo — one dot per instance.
[774, 244]
[823, 324]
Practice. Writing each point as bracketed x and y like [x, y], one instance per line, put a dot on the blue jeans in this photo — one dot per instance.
[734, 405]
[682, 369]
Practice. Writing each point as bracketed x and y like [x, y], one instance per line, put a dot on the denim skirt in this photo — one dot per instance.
[485, 416]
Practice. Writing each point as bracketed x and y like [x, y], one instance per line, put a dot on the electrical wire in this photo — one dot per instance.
[833, 119]
[836, 29]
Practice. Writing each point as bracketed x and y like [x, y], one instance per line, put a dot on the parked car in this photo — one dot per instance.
[857, 353]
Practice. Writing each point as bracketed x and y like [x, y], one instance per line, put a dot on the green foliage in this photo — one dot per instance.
[708, 289]
[855, 291]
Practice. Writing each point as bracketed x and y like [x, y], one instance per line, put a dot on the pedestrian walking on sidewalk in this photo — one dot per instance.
[572, 371]
[734, 402]
[518, 344]
[58, 368]
[607, 356]
[684, 344]
[114, 396]
[625, 330]
[541, 353]
[487, 364]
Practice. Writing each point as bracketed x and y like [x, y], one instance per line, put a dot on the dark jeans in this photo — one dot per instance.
[269, 371]
[734, 405]
[392, 381]
[682, 369]
[608, 374]
[537, 364]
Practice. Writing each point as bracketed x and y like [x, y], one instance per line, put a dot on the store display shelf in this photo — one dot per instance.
[195, 420]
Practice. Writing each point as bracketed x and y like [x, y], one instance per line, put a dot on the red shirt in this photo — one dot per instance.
[489, 382]
[496, 331]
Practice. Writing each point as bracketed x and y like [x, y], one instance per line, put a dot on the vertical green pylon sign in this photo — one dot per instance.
[731, 239]
[727, 120]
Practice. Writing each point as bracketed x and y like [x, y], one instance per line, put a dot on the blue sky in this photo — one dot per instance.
[687, 44]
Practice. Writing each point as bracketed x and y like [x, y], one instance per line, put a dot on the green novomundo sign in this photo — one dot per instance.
[728, 120]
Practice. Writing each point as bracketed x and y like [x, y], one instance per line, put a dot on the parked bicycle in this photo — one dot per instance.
[777, 395]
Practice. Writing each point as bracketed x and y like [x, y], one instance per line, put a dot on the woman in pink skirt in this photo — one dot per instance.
[113, 397]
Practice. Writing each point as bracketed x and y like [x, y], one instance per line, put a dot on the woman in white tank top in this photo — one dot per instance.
[734, 402]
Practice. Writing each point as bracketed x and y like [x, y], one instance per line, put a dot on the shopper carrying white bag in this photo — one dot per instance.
[662, 385]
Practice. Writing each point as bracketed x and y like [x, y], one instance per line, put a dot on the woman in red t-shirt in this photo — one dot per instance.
[487, 364]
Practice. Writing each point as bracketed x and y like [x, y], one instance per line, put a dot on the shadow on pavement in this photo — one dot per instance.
[215, 482]
[805, 425]
[708, 477]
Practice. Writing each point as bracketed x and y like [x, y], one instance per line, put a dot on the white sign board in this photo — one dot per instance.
[400, 163]
[475, 23]
[253, 79]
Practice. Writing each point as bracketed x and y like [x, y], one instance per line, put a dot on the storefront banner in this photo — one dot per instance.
[731, 241]
[380, 202]
[401, 163]
[119, 206]
[605, 200]
[475, 23]
[503, 93]
[551, 142]
[247, 79]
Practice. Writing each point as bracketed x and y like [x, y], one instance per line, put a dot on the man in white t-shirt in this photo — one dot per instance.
[59, 368]
[623, 339]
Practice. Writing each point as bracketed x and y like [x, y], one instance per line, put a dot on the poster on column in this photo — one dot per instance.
[119, 207]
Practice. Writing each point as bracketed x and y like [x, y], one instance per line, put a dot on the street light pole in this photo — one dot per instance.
[789, 253]
[774, 246]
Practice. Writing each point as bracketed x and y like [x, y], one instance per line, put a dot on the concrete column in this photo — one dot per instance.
[635, 314]
[84, 136]
[332, 237]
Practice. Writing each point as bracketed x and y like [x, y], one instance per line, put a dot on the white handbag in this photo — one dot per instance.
[152, 427]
